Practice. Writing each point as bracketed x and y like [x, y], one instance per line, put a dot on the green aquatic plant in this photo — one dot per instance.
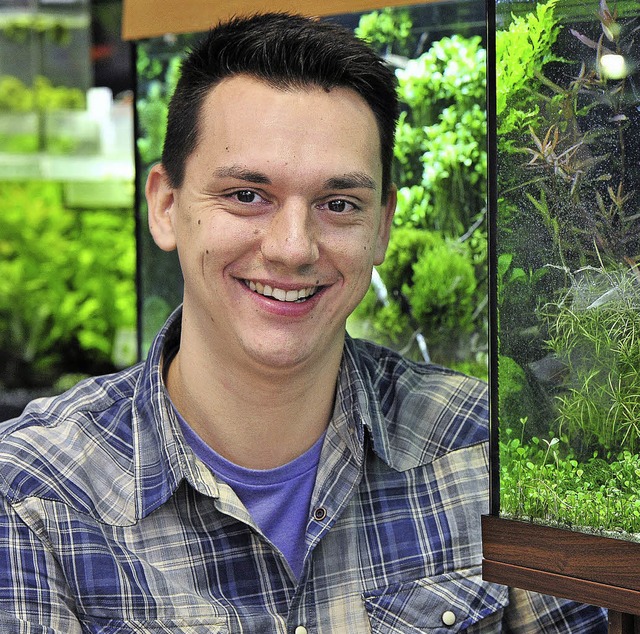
[594, 330]
[430, 284]
[388, 30]
[543, 480]
[523, 50]
[440, 144]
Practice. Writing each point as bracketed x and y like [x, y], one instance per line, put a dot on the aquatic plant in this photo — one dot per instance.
[594, 331]
[543, 480]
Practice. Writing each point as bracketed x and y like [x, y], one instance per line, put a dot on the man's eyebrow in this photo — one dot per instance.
[243, 174]
[351, 180]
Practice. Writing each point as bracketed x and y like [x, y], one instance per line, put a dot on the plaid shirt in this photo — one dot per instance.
[110, 523]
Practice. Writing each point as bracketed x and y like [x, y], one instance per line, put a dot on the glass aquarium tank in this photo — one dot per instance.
[568, 264]
[566, 289]
[430, 296]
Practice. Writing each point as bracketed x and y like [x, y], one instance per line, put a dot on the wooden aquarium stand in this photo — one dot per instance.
[601, 571]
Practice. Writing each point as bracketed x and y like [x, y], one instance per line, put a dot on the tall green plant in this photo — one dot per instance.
[566, 140]
[441, 137]
[434, 272]
[595, 332]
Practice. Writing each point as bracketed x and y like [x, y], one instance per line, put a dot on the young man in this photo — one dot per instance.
[262, 472]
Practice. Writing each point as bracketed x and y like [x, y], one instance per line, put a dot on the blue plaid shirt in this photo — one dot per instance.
[111, 524]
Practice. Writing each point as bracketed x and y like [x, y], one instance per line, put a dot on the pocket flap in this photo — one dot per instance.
[437, 605]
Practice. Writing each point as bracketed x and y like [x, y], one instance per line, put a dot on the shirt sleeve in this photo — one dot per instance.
[34, 596]
[532, 612]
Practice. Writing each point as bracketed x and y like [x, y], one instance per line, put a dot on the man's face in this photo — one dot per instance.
[278, 222]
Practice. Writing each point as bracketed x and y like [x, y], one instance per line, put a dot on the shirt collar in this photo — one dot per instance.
[162, 456]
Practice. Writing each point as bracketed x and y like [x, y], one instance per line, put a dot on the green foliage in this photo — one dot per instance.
[595, 331]
[22, 109]
[158, 81]
[66, 284]
[442, 290]
[512, 388]
[571, 129]
[568, 282]
[441, 137]
[564, 174]
[434, 271]
[55, 28]
[431, 287]
[543, 480]
[452, 71]
[388, 30]
[15, 96]
[406, 247]
[522, 52]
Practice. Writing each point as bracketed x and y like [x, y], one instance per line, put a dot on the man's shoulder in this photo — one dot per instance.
[397, 379]
[426, 410]
[65, 448]
[391, 365]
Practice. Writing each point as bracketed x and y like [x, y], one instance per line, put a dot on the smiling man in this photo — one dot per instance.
[263, 472]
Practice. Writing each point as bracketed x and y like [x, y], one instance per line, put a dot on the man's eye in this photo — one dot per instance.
[340, 206]
[247, 196]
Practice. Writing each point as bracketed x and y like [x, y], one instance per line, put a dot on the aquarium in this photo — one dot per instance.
[429, 298]
[564, 229]
[567, 265]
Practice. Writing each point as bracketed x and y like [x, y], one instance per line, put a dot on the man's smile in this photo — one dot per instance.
[282, 295]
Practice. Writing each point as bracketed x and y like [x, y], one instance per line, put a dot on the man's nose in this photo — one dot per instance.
[291, 237]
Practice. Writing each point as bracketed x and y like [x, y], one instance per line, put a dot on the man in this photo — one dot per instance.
[262, 472]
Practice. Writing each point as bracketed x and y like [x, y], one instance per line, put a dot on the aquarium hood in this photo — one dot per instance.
[150, 18]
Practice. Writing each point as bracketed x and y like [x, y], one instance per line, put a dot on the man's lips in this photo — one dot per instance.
[280, 294]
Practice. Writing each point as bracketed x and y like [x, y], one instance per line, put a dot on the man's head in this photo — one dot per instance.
[273, 190]
[287, 52]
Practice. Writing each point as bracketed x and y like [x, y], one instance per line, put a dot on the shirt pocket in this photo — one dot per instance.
[159, 626]
[454, 602]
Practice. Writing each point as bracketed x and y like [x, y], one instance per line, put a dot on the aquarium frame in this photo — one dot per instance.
[581, 566]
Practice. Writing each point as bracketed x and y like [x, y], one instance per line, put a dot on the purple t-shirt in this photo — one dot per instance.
[277, 499]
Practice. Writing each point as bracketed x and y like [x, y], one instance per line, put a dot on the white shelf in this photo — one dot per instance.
[65, 168]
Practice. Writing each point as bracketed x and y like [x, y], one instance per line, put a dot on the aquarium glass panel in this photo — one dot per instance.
[429, 298]
[568, 248]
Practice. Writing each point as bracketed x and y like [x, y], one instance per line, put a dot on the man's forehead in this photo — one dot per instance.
[243, 85]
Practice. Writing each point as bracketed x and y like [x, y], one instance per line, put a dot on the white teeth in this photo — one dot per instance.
[279, 293]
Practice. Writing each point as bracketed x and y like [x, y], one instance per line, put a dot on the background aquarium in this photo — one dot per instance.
[568, 253]
[429, 299]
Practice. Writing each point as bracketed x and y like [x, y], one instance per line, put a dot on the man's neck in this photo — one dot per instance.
[258, 420]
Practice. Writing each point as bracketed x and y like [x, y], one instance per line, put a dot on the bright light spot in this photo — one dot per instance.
[613, 66]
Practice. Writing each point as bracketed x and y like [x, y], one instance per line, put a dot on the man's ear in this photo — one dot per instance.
[161, 202]
[386, 221]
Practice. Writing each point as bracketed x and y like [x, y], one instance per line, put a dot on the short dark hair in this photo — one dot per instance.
[286, 51]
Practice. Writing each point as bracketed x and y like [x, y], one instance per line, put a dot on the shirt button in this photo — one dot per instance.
[448, 617]
[301, 629]
[318, 515]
